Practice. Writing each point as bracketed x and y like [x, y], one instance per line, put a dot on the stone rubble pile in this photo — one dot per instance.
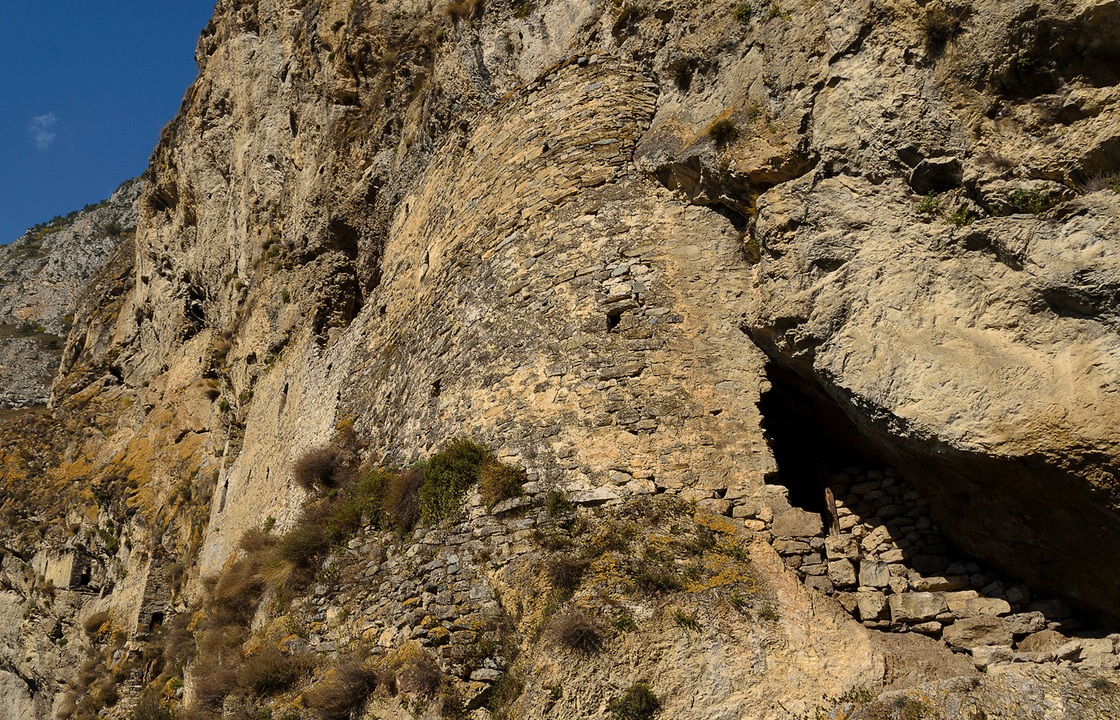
[890, 567]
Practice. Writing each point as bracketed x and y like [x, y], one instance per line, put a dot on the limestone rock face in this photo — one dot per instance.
[597, 238]
[969, 340]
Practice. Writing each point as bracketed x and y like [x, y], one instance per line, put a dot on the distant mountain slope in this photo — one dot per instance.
[41, 275]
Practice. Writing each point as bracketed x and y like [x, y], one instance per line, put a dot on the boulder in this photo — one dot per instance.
[842, 573]
[872, 605]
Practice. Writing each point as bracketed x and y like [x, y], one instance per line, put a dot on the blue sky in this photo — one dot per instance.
[85, 88]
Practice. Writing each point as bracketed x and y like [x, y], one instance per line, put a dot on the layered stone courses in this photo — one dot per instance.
[890, 567]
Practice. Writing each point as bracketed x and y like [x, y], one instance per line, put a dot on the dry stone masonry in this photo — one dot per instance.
[889, 566]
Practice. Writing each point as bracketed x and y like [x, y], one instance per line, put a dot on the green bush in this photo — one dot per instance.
[557, 504]
[686, 621]
[743, 12]
[1026, 201]
[448, 475]
[960, 217]
[930, 204]
[637, 703]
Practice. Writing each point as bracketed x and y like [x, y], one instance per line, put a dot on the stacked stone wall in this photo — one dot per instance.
[890, 567]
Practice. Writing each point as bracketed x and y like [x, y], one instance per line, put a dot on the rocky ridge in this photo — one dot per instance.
[42, 275]
[595, 237]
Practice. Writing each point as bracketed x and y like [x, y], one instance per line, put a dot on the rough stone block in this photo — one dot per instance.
[984, 606]
[744, 511]
[932, 628]
[796, 522]
[716, 506]
[872, 605]
[1043, 641]
[973, 632]
[791, 547]
[938, 583]
[821, 583]
[916, 606]
[985, 655]
[598, 496]
[1026, 623]
[874, 574]
[839, 547]
[875, 538]
[842, 573]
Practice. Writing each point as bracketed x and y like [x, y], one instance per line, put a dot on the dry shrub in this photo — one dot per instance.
[498, 481]
[343, 692]
[212, 685]
[470, 9]
[576, 630]
[401, 504]
[179, 649]
[566, 572]
[257, 541]
[234, 593]
[220, 645]
[418, 673]
[320, 468]
[93, 624]
[302, 545]
[269, 671]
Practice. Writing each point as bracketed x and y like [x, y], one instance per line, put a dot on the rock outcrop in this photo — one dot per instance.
[632, 249]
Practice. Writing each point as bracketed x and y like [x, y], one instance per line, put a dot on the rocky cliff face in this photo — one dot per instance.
[42, 275]
[635, 250]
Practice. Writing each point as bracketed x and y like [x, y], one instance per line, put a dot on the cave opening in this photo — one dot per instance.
[811, 437]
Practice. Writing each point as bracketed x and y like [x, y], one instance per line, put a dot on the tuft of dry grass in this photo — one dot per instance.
[576, 630]
[343, 692]
[269, 671]
[465, 9]
[321, 468]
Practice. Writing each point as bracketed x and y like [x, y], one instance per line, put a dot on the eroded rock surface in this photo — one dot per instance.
[593, 237]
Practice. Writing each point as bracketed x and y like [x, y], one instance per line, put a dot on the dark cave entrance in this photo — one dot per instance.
[811, 437]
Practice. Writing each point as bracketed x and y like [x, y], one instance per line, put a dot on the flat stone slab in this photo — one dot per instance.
[973, 632]
[917, 606]
[796, 522]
